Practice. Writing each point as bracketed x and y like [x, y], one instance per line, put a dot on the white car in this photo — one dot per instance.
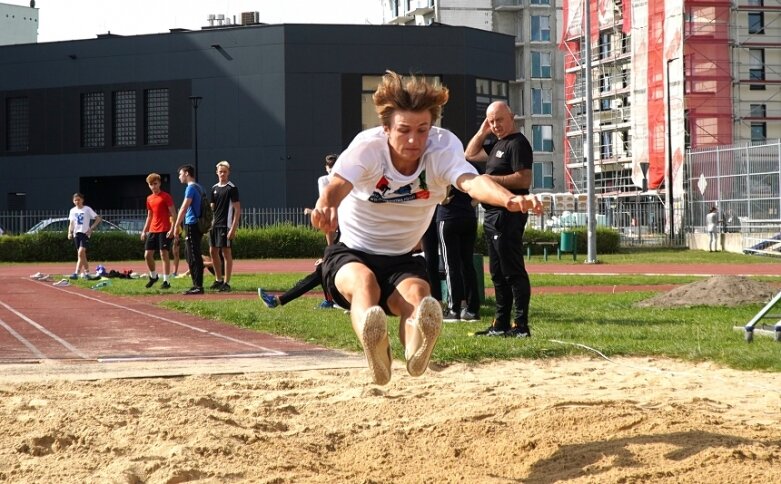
[61, 225]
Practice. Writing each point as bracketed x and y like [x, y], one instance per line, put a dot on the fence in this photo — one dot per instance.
[744, 182]
[19, 222]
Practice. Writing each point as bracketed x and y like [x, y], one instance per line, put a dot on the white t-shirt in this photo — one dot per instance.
[711, 220]
[322, 182]
[387, 212]
[82, 218]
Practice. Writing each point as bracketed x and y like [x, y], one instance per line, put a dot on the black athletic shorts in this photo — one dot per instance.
[218, 237]
[389, 270]
[157, 241]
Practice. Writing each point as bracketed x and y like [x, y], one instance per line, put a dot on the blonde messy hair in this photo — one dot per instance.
[412, 93]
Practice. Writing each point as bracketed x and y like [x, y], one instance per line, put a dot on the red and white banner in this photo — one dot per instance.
[606, 13]
[573, 20]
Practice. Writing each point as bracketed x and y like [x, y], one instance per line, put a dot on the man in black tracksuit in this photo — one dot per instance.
[509, 163]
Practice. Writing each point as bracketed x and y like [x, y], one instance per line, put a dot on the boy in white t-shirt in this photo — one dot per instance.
[82, 221]
[382, 194]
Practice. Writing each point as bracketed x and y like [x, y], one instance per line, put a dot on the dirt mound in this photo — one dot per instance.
[714, 291]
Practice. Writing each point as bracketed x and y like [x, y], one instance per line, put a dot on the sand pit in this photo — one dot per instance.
[570, 420]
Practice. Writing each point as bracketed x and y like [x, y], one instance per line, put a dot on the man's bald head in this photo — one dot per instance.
[501, 119]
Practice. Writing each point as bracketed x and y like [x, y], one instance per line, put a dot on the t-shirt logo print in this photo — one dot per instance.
[385, 192]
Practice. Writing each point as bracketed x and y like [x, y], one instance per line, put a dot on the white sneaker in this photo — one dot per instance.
[62, 283]
[428, 323]
[376, 345]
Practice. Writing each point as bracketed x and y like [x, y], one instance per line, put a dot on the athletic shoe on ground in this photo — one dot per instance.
[165, 285]
[37, 275]
[151, 282]
[376, 345]
[451, 317]
[216, 285]
[469, 317]
[225, 287]
[428, 323]
[269, 300]
[490, 331]
[46, 279]
[193, 291]
[518, 332]
[74, 276]
[326, 304]
[62, 283]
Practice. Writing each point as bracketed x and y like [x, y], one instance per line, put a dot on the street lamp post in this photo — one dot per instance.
[195, 100]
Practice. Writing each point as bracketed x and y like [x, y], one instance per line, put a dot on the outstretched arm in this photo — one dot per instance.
[482, 188]
[324, 215]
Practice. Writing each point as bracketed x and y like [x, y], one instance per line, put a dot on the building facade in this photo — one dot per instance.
[667, 76]
[98, 115]
[536, 91]
[18, 24]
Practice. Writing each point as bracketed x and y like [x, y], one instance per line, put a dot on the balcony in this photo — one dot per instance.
[508, 6]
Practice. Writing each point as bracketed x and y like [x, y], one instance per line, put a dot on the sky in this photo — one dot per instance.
[84, 19]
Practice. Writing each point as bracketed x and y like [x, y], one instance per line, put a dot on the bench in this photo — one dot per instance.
[545, 247]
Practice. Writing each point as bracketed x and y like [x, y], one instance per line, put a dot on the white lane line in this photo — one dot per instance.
[35, 351]
[178, 323]
[48, 333]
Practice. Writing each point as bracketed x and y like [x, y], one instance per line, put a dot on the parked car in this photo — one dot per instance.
[61, 225]
[130, 225]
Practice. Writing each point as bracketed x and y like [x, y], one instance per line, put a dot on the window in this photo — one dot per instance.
[156, 117]
[542, 101]
[758, 132]
[756, 3]
[540, 28]
[487, 92]
[756, 71]
[758, 111]
[541, 62]
[539, 2]
[606, 145]
[93, 132]
[542, 137]
[369, 85]
[17, 114]
[605, 45]
[756, 22]
[123, 130]
[542, 173]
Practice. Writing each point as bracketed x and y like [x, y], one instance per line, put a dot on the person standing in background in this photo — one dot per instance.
[509, 163]
[227, 212]
[712, 226]
[188, 215]
[457, 230]
[158, 232]
[82, 220]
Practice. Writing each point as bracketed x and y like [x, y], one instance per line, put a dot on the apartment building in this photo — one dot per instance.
[536, 93]
[18, 24]
[667, 76]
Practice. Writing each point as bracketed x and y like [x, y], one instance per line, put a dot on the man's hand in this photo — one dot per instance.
[524, 203]
[324, 219]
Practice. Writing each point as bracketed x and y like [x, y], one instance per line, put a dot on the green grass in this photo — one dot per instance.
[562, 324]
[661, 256]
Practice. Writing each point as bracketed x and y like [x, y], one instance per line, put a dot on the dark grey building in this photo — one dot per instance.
[98, 115]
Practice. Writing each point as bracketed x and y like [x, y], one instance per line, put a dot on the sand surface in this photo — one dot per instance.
[565, 420]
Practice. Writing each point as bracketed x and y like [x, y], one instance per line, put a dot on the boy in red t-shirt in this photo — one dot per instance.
[158, 230]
